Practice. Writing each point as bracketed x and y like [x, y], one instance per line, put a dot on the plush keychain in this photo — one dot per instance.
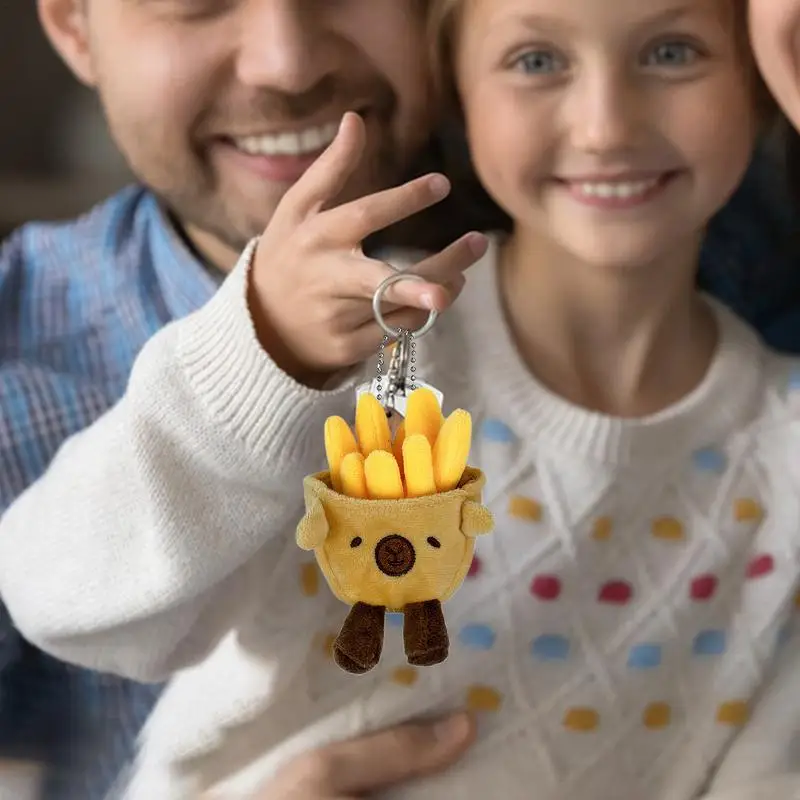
[393, 521]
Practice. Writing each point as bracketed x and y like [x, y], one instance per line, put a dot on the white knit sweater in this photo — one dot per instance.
[625, 634]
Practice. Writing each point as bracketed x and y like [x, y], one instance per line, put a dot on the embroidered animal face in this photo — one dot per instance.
[394, 552]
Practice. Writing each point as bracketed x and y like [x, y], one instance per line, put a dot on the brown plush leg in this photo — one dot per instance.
[425, 633]
[358, 646]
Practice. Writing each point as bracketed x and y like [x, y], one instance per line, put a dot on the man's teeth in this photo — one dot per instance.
[299, 143]
[621, 189]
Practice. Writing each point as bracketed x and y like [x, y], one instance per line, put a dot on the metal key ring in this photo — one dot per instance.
[376, 306]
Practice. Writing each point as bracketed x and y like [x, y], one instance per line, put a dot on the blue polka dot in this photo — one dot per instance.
[794, 380]
[395, 619]
[497, 431]
[644, 656]
[709, 643]
[550, 648]
[710, 460]
[477, 637]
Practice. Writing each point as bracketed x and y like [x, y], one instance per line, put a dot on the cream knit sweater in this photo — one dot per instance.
[625, 634]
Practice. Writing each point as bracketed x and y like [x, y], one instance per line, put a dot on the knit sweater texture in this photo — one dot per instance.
[626, 633]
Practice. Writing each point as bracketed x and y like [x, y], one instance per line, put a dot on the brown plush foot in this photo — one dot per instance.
[425, 634]
[358, 646]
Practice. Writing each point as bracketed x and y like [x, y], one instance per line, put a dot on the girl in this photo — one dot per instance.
[625, 633]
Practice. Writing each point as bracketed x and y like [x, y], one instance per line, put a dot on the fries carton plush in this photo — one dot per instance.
[393, 524]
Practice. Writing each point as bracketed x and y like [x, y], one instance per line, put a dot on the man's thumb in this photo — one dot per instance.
[398, 754]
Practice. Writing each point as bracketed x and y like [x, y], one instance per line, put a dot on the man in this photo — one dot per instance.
[219, 107]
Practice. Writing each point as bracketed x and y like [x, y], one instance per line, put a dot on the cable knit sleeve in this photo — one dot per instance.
[764, 761]
[133, 543]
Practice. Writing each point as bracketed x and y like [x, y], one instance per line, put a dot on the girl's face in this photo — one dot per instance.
[775, 32]
[614, 129]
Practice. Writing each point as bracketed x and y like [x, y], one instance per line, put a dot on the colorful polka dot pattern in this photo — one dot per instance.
[655, 716]
[602, 528]
[525, 508]
[668, 529]
[549, 587]
[496, 431]
[711, 460]
[405, 676]
[748, 510]
[309, 579]
[483, 698]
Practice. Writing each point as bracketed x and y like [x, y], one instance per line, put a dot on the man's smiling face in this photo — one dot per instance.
[220, 105]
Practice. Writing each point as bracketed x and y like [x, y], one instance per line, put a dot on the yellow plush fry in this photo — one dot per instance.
[372, 427]
[354, 482]
[383, 476]
[418, 460]
[397, 447]
[451, 450]
[339, 441]
[423, 414]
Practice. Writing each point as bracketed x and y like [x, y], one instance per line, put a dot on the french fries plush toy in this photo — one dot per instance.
[393, 524]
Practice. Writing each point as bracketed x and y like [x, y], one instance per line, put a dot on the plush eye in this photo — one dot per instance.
[434, 542]
[356, 541]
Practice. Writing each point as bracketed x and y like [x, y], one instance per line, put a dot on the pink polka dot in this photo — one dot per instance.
[760, 566]
[475, 567]
[546, 587]
[617, 592]
[703, 587]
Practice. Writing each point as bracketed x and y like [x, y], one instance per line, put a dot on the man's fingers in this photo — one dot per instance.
[395, 755]
[350, 224]
[326, 177]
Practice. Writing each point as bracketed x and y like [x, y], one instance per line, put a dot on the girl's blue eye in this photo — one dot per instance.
[539, 62]
[671, 54]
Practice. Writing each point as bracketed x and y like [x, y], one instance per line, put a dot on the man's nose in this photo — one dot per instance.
[605, 116]
[284, 46]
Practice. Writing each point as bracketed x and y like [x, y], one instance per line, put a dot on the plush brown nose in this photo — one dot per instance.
[395, 555]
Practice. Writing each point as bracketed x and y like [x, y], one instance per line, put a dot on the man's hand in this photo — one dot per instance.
[311, 285]
[354, 769]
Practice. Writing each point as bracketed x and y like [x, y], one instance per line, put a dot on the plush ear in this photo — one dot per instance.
[475, 519]
[313, 528]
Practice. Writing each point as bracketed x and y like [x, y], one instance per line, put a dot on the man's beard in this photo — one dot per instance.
[213, 218]
[200, 206]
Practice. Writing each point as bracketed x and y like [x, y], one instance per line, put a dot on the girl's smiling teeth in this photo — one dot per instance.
[616, 191]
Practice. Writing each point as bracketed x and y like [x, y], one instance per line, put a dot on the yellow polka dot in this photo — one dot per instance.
[668, 528]
[657, 715]
[745, 509]
[581, 719]
[602, 528]
[327, 644]
[405, 676]
[309, 580]
[525, 508]
[483, 698]
[734, 712]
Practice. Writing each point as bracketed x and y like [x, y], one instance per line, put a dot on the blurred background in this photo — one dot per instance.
[56, 158]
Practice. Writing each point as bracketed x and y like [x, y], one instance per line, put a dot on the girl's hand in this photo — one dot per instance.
[311, 285]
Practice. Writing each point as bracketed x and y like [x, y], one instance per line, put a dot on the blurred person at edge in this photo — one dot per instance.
[219, 107]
